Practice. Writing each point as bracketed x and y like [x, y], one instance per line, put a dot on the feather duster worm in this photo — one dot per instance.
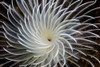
[49, 33]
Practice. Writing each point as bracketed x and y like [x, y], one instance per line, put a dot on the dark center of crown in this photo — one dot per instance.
[49, 39]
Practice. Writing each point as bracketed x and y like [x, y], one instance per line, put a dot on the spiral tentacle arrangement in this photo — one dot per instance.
[48, 33]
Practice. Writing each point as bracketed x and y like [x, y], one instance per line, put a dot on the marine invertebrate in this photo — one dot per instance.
[48, 33]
